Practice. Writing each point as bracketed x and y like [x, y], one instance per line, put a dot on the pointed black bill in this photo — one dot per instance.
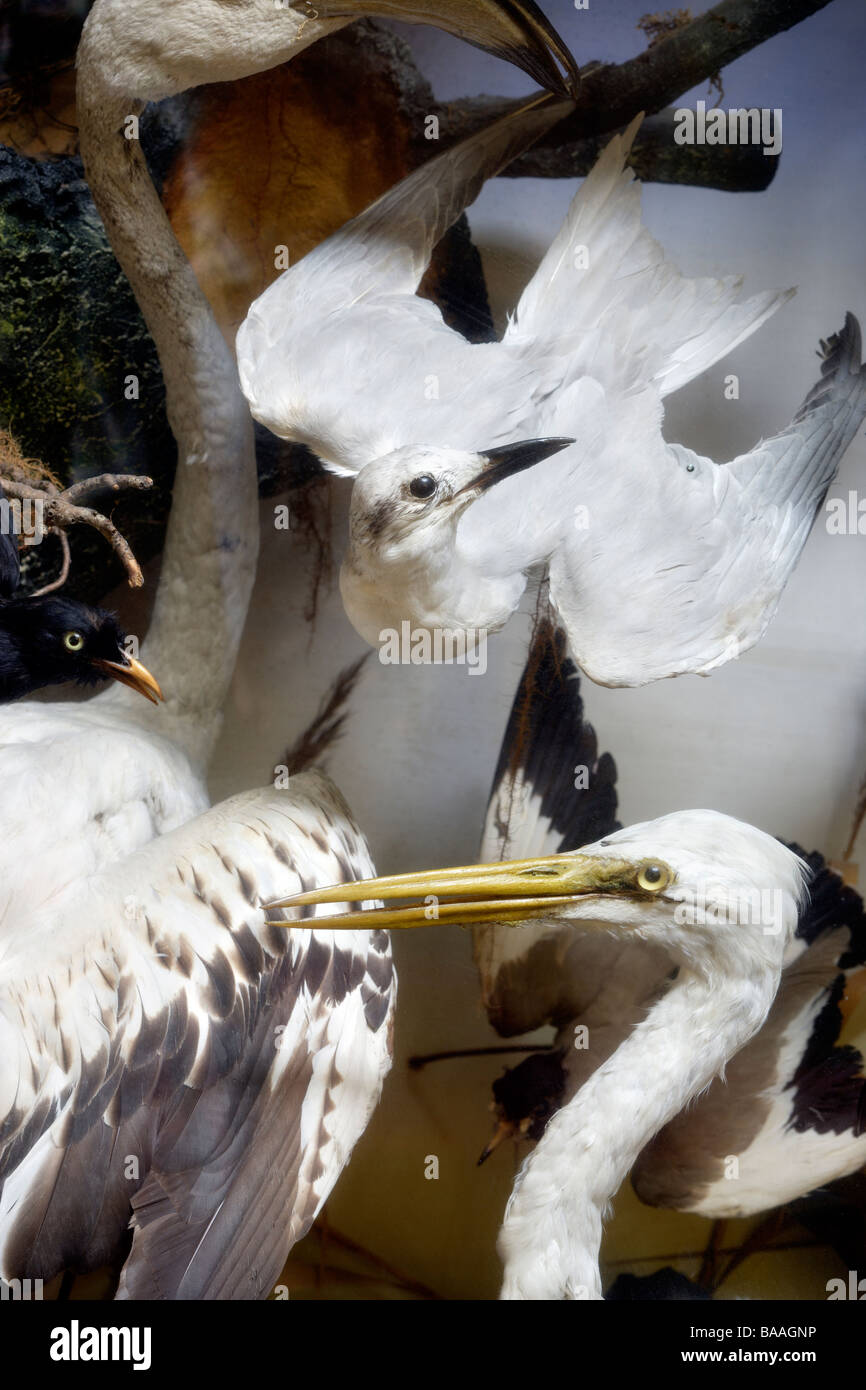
[504, 462]
[515, 30]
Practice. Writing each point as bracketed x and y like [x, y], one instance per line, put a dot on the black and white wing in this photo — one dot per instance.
[551, 792]
[791, 1112]
[167, 1057]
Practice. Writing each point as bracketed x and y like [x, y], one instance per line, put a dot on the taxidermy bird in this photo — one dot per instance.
[47, 641]
[790, 1110]
[133, 778]
[170, 1058]
[434, 430]
[721, 899]
[235, 1067]
[792, 1106]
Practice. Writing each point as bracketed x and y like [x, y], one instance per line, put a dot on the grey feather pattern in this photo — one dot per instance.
[161, 1065]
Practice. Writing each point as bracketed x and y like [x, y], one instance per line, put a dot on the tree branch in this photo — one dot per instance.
[65, 566]
[60, 511]
[610, 95]
[655, 156]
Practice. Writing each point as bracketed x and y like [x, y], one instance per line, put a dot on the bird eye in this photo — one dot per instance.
[73, 641]
[423, 486]
[652, 878]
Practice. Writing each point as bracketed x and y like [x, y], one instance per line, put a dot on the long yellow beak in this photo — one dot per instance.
[515, 30]
[136, 676]
[511, 891]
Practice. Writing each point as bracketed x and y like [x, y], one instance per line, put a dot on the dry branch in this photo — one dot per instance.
[60, 510]
[610, 95]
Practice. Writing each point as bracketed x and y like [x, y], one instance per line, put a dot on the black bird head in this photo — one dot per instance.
[525, 1097]
[47, 641]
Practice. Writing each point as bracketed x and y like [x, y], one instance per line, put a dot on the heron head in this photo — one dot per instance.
[404, 502]
[715, 893]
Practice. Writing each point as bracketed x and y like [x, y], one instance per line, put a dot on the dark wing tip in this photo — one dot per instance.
[554, 750]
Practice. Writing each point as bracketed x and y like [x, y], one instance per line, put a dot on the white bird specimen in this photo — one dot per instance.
[722, 900]
[660, 562]
[792, 1106]
[90, 786]
[170, 1057]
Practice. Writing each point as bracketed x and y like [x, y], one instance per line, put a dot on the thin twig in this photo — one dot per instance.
[394, 1274]
[59, 511]
[64, 569]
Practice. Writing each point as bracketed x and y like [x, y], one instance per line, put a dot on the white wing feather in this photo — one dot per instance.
[605, 293]
[149, 1011]
[323, 352]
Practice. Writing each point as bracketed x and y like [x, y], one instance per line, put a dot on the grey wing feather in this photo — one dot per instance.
[796, 466]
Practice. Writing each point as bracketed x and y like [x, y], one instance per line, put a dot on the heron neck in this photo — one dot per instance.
[211, 545]
[551, 1236]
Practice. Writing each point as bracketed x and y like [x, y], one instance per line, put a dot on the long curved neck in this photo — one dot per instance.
[126, 57]
[552, 1231]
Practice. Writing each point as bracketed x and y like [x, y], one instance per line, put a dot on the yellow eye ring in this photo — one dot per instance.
[653, 877]
[73, 641]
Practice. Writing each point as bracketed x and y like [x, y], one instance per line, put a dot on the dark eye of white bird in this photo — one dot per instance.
[423, 486]
[73, 641]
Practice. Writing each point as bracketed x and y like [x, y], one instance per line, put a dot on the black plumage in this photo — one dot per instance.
[50, 640]
[547, 737]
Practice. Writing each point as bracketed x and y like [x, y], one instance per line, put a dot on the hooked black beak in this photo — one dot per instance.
[509, 459]
[133, 674]
[515, 30]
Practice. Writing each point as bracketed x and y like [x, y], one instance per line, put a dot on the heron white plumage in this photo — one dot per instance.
[687, 883]
[682, 582]
[792, 1105]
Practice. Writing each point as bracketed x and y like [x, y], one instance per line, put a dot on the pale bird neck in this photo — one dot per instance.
[151, 50]
[211, 545]
[434, 589]
[551, 1235]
